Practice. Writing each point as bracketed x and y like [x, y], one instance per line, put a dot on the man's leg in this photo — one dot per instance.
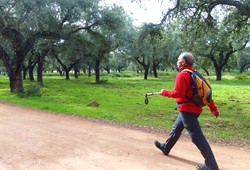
[190, 122]
[173, 136]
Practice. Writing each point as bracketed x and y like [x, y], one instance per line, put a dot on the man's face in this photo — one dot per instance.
[180, 62]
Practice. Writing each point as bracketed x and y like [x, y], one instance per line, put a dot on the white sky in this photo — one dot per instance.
[148, 11]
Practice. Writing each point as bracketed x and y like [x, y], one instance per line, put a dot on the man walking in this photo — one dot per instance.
[188, 114]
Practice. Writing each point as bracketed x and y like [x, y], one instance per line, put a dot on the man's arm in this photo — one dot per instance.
[213, 109]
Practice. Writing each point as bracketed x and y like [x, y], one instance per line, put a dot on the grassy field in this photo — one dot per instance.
[121, 98]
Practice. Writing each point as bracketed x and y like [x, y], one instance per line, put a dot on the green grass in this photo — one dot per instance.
[121, 98]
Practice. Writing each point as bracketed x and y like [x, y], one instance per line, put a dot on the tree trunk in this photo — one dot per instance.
[97, 70]
[24, 75]
[120, 68]
[218, 73]
[31, 73]
[84, 70]
[244, 67]
[107, 68]
[65, 68]
[59, 70]
[97, 65]
[14, 67]
[146, 69]
[206, 71]
[67, 73]
[155, 71]
[40, 62]
[16, 82]
[76, 72]
[15, 77]
[89, 70]
[24, 72]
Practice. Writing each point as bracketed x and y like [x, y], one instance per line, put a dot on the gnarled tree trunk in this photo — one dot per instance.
[14, 64]
[16, 82]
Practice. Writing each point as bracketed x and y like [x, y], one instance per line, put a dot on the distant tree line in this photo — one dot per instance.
[86, 35]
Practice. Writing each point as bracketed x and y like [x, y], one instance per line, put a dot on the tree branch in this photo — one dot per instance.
[169, 12]
[5, 57]
[5, 24]
[244, 9]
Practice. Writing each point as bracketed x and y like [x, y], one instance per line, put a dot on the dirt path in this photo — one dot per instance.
[36, 140]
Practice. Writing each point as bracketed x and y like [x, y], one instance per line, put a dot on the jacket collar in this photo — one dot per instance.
[185, 67]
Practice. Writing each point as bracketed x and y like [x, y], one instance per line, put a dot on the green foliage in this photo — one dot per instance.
[215, 32]
[30, 91]
[150, 44]
[240, 77]
[125, 74]
[33, 90]
[243, 60]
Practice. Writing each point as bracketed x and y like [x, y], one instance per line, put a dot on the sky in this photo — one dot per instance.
[148, 11]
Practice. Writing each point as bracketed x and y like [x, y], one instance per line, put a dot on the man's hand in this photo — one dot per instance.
[161, 91]
[216, 114]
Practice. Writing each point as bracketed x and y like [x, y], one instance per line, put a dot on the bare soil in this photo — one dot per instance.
[35, 140]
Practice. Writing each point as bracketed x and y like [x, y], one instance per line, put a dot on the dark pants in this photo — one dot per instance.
[189, 121]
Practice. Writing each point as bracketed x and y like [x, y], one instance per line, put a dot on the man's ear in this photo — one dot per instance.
[183, 62]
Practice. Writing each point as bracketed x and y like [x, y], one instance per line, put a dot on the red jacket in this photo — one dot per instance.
[183, 88]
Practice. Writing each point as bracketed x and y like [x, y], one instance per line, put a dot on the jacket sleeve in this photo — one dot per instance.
[212, 107]
[179, 88]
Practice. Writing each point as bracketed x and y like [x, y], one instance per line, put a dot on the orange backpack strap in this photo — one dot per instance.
[188, 70]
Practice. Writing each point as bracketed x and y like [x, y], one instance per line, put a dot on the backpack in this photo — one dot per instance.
[202, 91]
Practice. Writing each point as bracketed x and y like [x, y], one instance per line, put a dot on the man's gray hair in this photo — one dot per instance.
[188, 57]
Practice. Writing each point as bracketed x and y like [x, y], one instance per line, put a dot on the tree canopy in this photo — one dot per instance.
[23, 23]
[86, 33]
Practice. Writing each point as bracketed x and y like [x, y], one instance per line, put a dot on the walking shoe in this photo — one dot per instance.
[161, 147]
[204, 167]
[201, 167]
